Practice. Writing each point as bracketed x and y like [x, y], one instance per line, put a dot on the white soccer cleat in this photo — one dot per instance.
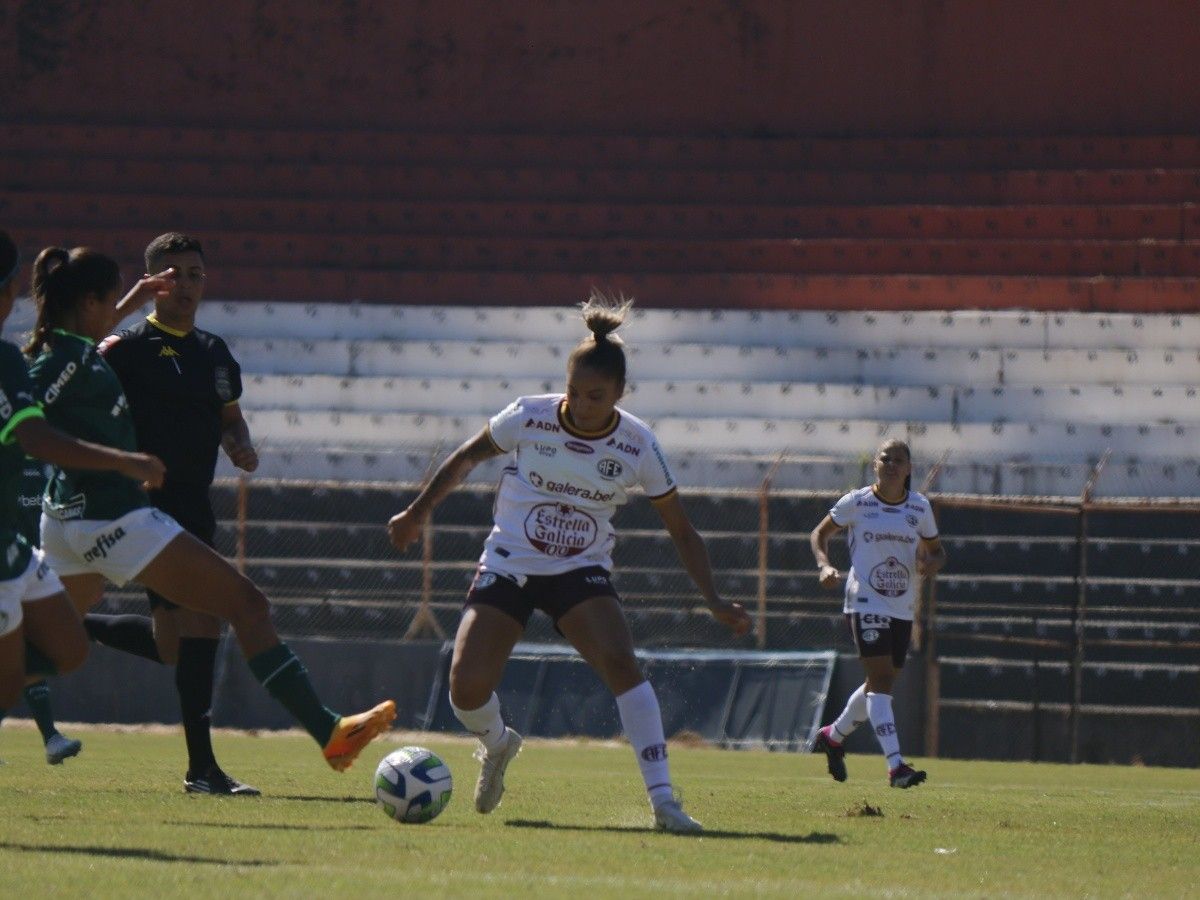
[490, 786]
[61, 747]
[670, 817]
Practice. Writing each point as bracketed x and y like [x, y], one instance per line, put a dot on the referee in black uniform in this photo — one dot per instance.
[183, 386]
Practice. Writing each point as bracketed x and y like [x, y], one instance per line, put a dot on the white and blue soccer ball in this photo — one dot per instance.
[412, 784]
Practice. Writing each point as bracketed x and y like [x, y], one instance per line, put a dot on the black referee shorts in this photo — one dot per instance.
[191, 507]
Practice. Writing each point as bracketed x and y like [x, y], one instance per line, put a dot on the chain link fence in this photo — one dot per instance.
[1056, 611]
[320, 551]
[1063, 616]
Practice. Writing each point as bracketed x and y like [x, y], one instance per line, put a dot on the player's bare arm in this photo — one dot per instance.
[41, 440]
[931, 556]
[819, 541]
[235, 438]
[405, 527]
[694, 555]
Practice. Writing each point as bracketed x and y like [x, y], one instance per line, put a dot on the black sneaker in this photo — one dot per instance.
[835, 754]
[214, 781]
[905, 776]
[60, 747]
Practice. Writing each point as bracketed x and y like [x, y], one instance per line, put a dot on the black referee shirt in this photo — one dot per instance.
[176, 384]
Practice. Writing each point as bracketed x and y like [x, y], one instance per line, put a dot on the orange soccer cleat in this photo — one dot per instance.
[352, 733]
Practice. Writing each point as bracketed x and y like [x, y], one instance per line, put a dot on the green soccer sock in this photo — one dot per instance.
[280, 671]
[37, 698]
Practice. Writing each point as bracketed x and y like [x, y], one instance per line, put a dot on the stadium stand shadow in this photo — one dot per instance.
[301, 797]
[271, 826]
[305, 798]
[813, 837]
[133, 853]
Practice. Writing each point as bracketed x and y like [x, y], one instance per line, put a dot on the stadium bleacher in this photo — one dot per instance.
[1015, 402]
[1000, 389]
[308, 215]
[1013, 307]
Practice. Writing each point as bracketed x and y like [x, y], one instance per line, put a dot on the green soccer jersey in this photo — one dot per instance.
[16, 405]
[30, 490]
[82, 396]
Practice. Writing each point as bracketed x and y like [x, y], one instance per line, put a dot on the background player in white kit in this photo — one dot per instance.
[893, 538]
[575, 457]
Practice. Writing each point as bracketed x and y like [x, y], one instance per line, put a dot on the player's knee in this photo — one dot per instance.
[468, 689]
[620, 671]
[73, 653]
[251, 607]
[168, 648]
[880, 684]
[86, 598]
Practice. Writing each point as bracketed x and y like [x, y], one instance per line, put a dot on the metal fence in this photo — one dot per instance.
[1059, 613]
[1054, 613]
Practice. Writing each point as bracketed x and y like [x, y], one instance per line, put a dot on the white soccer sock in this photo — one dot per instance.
[852, 716]
[642, 720]
[879, 707]
[485, 723]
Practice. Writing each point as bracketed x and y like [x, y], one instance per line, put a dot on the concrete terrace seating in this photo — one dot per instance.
[1015, 401]
[1102, 223]
[962, 329]
[908, 366]
[481, 395]
[985, 255]
[566, 182]
[373, 146]
[225, 216]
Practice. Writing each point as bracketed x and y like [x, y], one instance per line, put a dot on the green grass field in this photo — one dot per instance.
[114, 822]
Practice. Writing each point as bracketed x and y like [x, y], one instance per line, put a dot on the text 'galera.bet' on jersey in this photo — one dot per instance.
[883, 539]
[555, 503]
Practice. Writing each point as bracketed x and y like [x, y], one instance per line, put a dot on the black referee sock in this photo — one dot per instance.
[194, 681]
[129, 634]
[37, 663]
[37, 698]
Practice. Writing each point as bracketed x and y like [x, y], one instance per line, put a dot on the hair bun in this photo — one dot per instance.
[603, 314]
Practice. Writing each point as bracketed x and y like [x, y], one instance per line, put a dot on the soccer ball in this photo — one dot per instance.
[412, 784]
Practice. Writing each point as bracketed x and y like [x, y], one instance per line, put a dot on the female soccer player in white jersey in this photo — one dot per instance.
[893, 539]
[575, 458]
[98, 525]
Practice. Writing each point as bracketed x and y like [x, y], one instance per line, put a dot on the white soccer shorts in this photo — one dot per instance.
[118, 550]
[37, 582]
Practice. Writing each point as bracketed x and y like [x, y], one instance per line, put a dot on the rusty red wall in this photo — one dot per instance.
[872, 67]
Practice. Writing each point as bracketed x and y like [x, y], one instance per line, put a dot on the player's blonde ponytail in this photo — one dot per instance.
[603, 314]
[602, 352]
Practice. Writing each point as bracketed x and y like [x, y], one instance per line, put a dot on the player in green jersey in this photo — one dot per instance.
[98, 525]
[40, 631]
[32, 485]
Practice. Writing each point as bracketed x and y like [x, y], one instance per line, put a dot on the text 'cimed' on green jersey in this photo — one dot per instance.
[82, 396]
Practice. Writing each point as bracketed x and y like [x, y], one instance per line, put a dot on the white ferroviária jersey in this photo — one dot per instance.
[883, 540]
[555, 502]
